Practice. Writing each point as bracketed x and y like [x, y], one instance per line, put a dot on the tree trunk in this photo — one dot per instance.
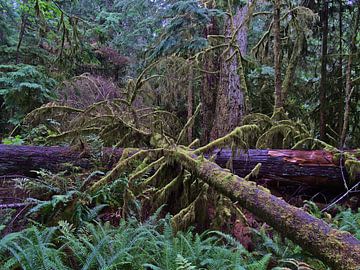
[323, 75]
[21, 36]
[348, 89]
[209, 87]
[190, 102]
[340, 76]
[230, 107]
[314, 168]
[292, 65]
[339, 249]
[277, 56]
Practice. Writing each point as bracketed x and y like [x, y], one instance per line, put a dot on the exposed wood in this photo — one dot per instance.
[314, 168]
[339, 249]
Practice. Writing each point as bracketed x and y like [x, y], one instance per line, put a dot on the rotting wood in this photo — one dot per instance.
[314, 168]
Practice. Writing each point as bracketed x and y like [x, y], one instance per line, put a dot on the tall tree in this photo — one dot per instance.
[277, 55]
[323, 72]
[210, 82]
[231, 97]
[348, 86]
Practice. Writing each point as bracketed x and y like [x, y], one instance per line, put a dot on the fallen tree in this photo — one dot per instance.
[339, 249]
[313, 168]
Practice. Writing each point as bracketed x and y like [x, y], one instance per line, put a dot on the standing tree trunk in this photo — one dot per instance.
[291, 68]
[209, 87]
[21, 36]
[190, 102]
[348, 89]
[277, 56]
[230, 108]
[322, 89]
[340, 76]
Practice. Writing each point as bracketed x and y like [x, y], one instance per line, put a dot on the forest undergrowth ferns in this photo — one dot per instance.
[131, 245]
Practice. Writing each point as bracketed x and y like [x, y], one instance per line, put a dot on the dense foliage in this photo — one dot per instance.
[165, 75]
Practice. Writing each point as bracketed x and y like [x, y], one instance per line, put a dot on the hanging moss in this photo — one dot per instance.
[254, 172]
[238, 136]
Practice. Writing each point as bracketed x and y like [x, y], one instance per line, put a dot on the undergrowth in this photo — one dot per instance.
[153, 244]
[72, 234]
[131, 245]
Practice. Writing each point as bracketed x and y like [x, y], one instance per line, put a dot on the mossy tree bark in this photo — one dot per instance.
[209, 87]
[190, 102]
[348, 87]
[231, 105]
[339, 249]
[279, 102]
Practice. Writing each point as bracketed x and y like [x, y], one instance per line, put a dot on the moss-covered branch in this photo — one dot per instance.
[337, 248]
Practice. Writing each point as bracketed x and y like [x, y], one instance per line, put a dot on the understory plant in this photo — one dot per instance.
[132, 245]
[22, 89]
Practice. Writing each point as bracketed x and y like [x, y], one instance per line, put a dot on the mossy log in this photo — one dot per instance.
[339, 249]
[314, 168]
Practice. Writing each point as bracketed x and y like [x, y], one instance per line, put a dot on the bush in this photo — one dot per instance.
[23, 88]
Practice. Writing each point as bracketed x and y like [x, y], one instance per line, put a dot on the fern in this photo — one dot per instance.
[32, 249]
[183, 264]
[23, 88]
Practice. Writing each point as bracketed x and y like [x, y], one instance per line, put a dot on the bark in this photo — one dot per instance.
[339, 249]
[230, 108]
[292, 65]
[21, 160]
[323, 75]
[314, 168]
[21, 36]
[340, 76]
[348, 89]
[209, 87]
[277, 56]
[190, 103]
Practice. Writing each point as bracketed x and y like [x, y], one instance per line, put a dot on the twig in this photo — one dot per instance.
[14, 205]
[341, 197]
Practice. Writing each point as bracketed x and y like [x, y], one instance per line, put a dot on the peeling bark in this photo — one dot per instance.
[313, 168]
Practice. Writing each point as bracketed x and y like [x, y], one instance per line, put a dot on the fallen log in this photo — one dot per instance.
[339, 249]
[315, 168]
